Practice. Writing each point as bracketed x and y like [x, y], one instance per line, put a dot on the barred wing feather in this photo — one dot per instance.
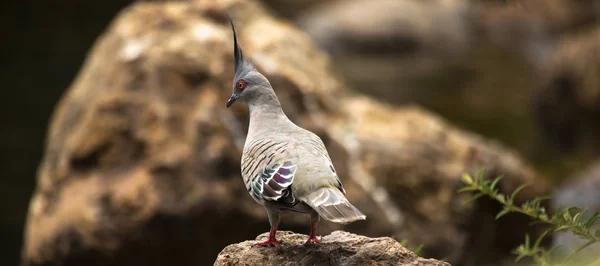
[268, 170]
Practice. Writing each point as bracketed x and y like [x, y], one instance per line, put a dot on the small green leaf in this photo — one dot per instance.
[516, 191]
[520, 257]
[467, 189]
[542, 210]
[577, 217]
[502, 213]
[590, 222]
[501, 198]
[539, 240]
[476, 196]
[467, 179]
[486, 189]
[418, 249]
[562, 227]
[480, 176]
[495, 182]
[567, 216]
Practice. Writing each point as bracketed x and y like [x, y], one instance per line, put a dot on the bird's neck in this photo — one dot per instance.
[267, 117]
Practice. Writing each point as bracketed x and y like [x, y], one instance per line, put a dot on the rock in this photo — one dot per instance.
[532, 28]
[559, 41]
[292, 8]
[142, 158]
[567, 102]
[380, 27]
[431, 53]
[409, 161]
[338, 248]
[582, 191]
[511, 21]
[390, 42]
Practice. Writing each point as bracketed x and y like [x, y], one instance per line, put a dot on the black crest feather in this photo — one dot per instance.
[237, 52]
[241, 66]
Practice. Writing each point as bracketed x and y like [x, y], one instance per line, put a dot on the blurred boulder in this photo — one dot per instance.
[534, 27]
[567, 101]
[429, 53]
[292, 8]
[338, 248]
[581, 191]
[387, 26]
[142, 158]
[410, 161]
[519, 18]
[556, 131]
[393, 49]
[475, 62]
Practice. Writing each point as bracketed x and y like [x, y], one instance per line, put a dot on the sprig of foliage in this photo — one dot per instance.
[565, 220]
[416, 251]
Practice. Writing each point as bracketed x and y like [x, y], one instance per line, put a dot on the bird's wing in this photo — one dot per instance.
[326, 194]
[315, 145]
[268, 170]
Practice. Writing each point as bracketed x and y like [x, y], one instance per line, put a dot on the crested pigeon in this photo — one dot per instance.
[285, 167]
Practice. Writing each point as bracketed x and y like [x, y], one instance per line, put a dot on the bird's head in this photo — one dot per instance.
[248, 84]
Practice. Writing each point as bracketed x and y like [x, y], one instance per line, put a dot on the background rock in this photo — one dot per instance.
[387, 27]
[454, 57]
[567, 102]
[409, 161]
[385, 47]
[434, 54]
[338, 248]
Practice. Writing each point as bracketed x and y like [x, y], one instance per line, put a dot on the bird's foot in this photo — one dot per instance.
[268, 242]
[312, 240]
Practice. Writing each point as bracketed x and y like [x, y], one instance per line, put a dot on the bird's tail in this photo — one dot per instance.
[332, 205]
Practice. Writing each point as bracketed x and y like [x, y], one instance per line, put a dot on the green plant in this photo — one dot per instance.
[566, 220]
[416, 251]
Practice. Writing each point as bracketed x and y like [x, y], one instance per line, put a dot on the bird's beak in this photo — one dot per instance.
[231, 100]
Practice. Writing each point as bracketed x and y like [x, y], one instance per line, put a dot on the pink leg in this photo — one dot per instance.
[271, 241]
[312, 236]
[274, 221]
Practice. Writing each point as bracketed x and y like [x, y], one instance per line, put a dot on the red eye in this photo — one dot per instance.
[241, 85]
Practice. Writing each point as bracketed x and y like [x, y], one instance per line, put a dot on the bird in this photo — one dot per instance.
[284, 167]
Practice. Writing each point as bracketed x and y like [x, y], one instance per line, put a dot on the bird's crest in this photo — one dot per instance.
[240, 64]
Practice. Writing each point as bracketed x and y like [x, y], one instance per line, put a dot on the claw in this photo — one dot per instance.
[312, 240]
[312, 236]
[272, 241]
[268, 242]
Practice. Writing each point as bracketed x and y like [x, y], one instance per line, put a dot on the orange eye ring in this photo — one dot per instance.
[240, 84]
